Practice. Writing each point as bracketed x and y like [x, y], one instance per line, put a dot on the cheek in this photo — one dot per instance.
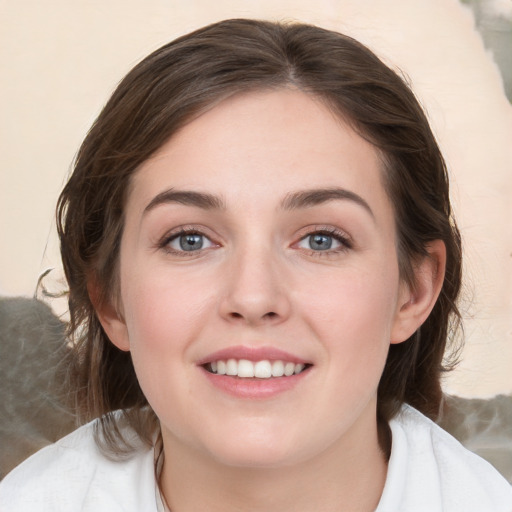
[354, 301]
[352, 314]
[164, 314]
[164, 317]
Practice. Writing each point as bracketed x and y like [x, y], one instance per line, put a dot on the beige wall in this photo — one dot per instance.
[61, 58]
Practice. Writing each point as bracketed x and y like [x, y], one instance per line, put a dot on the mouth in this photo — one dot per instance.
[262, 369]
[254, 373]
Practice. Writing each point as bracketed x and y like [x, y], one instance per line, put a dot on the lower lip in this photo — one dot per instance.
[254, 388]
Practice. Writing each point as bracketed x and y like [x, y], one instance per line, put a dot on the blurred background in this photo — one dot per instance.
[62, 58]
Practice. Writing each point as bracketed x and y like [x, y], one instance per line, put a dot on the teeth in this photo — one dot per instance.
[289, 368]
[277, 369]
[261, 369]
[221, 367]
[231, 367]
[299, 367]
[245, 368]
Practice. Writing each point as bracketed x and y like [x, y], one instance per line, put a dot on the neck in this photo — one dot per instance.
[349, 475]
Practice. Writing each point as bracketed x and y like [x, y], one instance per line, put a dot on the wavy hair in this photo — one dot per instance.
[170, 88]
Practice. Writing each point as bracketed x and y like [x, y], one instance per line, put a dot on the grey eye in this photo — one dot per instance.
[320, 242]
[191, 242]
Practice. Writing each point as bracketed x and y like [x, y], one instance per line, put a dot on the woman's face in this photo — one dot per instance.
[260, 239]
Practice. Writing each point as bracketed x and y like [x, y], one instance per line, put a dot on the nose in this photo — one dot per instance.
[255, 291]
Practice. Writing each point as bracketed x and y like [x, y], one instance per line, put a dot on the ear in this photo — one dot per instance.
[417, 301]
[110, 317]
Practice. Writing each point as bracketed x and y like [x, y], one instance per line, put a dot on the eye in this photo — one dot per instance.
[323, 241]
[188, 242]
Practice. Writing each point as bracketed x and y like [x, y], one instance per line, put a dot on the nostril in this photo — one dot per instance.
[267, 316]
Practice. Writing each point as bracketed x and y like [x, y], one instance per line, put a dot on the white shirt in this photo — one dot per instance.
[428, 471]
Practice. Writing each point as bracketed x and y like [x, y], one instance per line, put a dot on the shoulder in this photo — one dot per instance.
[73, 474]
[430, 470]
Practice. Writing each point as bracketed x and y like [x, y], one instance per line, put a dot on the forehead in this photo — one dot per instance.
[266, 141]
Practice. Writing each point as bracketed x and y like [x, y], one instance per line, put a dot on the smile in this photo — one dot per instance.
[264, 369]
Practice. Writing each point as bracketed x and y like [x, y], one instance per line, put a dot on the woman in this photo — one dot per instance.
[263, 272]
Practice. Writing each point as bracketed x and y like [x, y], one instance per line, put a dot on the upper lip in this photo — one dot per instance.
[252, 354]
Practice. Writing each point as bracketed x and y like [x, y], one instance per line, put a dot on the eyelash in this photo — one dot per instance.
[183, 231]
[340, 237]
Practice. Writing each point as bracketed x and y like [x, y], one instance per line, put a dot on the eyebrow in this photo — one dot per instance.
[308, 198]
[198, 199]
[292, 201]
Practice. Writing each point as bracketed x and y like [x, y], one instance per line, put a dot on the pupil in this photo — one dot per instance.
[320, 242]
[191, 242]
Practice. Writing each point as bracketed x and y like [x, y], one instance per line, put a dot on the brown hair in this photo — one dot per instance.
[178, 82]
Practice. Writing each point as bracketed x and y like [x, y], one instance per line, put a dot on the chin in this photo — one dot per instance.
[249, 457]
[255, 449]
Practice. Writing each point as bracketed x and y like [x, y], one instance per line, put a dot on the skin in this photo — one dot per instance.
[257, 282]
